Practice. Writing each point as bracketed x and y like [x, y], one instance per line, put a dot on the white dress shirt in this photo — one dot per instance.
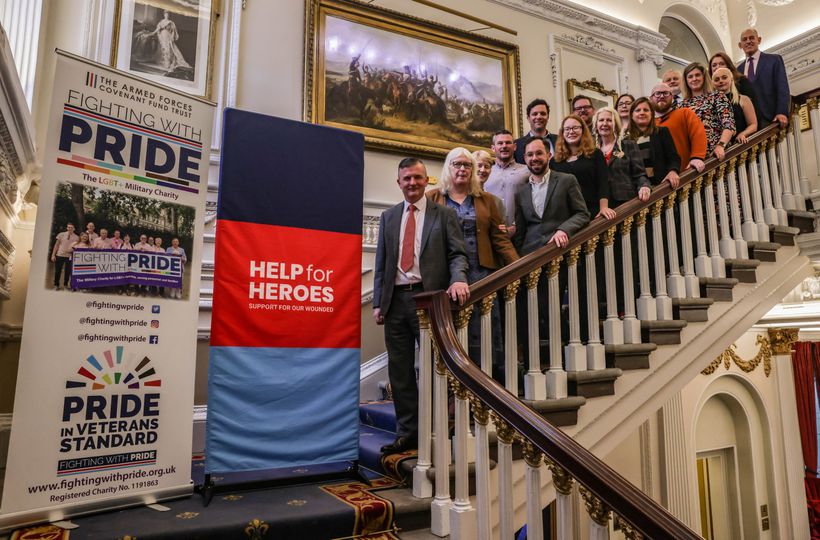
[539, 193]
[414, 274]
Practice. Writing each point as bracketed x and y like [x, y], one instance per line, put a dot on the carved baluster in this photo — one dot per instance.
[422, 486]
[674, 281]
[645, 304]
[506, 521]
[574, 352]
[510, 339]
[596, 358]
[805, 186]
[791, 155]
[440, 506]
[556, 376]
[703, 264]
[690, 280]
[535, 520]
[482, 469]
[613, 328]
[789, 201]
[769, 212]
[535, 382]
[757, 197]
[462, 322]
[487, 334]
[726, 244]
[663, 304]
[776, 177]
[563, 503]
[741, 248]
[814, 114]
[718, 265]
[599, 515]
[749, 228]
[631, 325]
[463, 520]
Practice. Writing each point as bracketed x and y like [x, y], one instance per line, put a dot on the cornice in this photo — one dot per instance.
[595, 46]
[589, 21]
[797, 46]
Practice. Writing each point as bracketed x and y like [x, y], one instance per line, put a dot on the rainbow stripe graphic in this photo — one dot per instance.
[111, 372]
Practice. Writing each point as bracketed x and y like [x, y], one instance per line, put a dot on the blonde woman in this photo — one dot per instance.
[627, 175]
[742, 107]
[484, 164]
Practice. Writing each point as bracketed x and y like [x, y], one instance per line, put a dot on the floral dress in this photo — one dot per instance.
[715, 111]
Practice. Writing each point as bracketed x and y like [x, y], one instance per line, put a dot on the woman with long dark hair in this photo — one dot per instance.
[711, 106]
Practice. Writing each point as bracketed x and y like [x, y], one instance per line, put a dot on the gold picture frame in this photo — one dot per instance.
[407, 84]
[594, 90]
[167, 42]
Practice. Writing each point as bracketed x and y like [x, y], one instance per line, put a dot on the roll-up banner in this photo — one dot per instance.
[103, 407]
[283, 382]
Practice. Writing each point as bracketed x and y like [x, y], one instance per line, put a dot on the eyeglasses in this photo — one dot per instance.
[661, 94]
[461, 165]
[624, 104]
[572, 129]
[580, 108]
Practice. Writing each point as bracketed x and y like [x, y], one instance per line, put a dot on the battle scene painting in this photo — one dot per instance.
[408, 91]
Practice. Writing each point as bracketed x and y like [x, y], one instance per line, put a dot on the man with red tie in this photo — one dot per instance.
[420, 248]
[767, 73]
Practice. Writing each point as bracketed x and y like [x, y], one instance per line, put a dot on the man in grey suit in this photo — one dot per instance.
[420, 248]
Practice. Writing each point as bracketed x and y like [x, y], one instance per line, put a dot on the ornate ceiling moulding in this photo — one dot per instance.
[782, 339]
[588, 42]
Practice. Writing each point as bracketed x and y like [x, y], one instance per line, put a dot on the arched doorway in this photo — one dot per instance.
[692, 38]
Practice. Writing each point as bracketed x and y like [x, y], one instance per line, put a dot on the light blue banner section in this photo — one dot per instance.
[270, 408]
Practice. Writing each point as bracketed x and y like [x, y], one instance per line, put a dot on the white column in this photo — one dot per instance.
[463, 519]
[789, 200]
[510, 339]
[632, 326]
[574, 353]
[21, 20]
[757, 197]
[563, 501]
[663, 304]
[679, 497]
[718, 265]
[482, 472]
[814, 114]
[703, 264]
[535, 382]
[805, 185]
[645, 303]
[462, 320]
[797, 189]
[599, 515]
[596, 357]
[487, 334]
[749, 228]
[741, 247]
[506, 518]
[674, 281]
[613, 329]
[440, 506]
[769, 212]
[535, 521]
[689, 278]
[556, 376]
[726, 243]
[775, 176]
[422, 486]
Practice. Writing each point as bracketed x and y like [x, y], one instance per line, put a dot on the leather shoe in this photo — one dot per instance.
[400, 445]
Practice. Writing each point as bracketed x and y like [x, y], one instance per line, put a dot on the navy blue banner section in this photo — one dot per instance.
[291, 174]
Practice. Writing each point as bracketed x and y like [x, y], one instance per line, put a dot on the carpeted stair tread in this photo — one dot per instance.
[379, 414]
[692, 302]
[742, 263]
[801, 213]
[718, 281]
[631, 348]
[590, 375]
[409, 513]
[371, 440]
[786, 229]
[554, 405]
[767, 246]
[663, 325]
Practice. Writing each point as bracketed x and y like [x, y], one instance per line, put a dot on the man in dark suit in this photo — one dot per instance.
[767, 73]
[420, 248]
[538, 114]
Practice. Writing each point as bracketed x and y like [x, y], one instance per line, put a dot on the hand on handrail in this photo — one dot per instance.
[459, 291]
[560, 238]
[697, 164]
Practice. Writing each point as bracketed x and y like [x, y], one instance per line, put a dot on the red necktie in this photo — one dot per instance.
[751, 72]
[408, 243]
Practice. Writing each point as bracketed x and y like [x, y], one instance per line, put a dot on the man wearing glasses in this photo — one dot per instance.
[683, 124]
[582, 106]
[506, 175]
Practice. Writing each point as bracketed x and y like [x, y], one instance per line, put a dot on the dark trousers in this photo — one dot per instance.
[401, 333]
[59, 265]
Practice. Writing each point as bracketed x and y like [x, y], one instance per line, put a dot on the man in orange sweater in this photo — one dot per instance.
[686, 128]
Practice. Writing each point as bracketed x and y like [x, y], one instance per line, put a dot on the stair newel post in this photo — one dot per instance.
[674, 281]
[757, 197]
[741, 247]
[422, 486]
[556, 376]
[510, 339]
[776, 177]
[769, 212]
[726, 244]
[645, 303]
[596, 357]
[487, 334]
[794, 125]
[463, 523]
[506, 437]
[663, 304]
[574, 352]
[632, 326]
[535, 521]
[814, 114]
[703, 264]
[599, 515]
[791, 155]
[563, 500]
[440, 506]
[690, 280]
[482, 469]
[718, 264]
[613, 327]
[749, 228]
[535, 382]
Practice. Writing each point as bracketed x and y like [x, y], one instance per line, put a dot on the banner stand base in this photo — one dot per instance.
[209, 488]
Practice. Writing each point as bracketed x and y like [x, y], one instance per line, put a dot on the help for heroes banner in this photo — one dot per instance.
[103, 406]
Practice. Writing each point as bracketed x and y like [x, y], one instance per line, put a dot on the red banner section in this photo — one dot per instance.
[285, 287]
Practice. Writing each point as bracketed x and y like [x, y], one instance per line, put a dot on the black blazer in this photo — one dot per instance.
[519, 145]
[626, 172]
[664, 155]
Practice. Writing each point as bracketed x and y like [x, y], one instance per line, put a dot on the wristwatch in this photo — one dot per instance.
[721, 143]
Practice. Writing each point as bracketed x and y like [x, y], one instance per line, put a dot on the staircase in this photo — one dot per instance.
[738, 259]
